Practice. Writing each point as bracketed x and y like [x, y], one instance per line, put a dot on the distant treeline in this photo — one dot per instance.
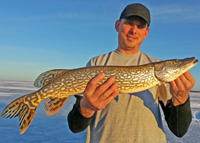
[195, 91]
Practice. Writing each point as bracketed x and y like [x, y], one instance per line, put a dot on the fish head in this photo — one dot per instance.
[169, 70]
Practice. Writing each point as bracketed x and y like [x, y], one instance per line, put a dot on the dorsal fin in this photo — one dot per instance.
[46, 77]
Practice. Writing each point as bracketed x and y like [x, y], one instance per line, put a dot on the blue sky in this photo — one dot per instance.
[40, 35]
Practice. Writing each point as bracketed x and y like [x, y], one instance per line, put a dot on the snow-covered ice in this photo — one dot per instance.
[193, 134]
[55, 128]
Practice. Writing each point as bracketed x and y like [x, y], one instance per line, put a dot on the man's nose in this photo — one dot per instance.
[133, 29]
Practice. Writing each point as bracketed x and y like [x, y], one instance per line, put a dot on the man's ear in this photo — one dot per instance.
[117, 23]
[147, 32]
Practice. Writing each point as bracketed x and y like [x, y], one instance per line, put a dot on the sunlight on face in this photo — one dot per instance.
[131, 32]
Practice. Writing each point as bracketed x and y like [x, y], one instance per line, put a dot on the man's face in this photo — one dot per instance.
[131, 32]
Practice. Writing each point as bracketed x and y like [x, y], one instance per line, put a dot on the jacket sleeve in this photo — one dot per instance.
[76, 121]
[178, 118]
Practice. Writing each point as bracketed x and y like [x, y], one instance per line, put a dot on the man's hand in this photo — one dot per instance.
[181, 87]
[97, 97]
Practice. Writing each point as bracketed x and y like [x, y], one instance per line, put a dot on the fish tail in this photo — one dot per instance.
[22, 110]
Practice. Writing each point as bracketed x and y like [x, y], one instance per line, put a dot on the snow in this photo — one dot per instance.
[53, 129]
[193, 134]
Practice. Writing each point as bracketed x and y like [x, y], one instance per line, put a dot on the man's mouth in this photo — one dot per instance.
[131, 38]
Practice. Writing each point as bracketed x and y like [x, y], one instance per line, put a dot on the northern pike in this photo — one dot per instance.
[58, 85]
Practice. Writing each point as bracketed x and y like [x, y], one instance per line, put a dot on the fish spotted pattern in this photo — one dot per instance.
[58, 85]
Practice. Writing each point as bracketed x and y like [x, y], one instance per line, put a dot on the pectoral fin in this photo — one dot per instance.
[161, 93]
[53, 105]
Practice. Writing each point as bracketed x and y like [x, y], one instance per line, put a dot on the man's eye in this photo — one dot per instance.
[141, 26]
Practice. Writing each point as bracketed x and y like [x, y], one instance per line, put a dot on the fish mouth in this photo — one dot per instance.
[192, 60]
[195, 61]
[188, 63]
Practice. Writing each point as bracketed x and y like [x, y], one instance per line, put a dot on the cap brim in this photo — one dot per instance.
[126, 16]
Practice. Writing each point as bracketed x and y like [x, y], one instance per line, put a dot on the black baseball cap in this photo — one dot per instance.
[136, 9]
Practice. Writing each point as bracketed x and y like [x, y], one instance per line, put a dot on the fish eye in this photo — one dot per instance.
[175, 61]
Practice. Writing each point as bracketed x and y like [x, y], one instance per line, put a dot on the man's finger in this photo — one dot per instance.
[179, 84]
[105, 86]
[109, 91]
[184, 80]
[112, 96]
[188, 75]
[173, 85]
[92, 85]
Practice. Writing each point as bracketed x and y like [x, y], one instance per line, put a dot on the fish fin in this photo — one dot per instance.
[53, 105]
[22, 110]
[162, 93]
[157, 94]
[46, 77]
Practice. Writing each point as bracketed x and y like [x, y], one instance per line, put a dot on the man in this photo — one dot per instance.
[111, 116]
